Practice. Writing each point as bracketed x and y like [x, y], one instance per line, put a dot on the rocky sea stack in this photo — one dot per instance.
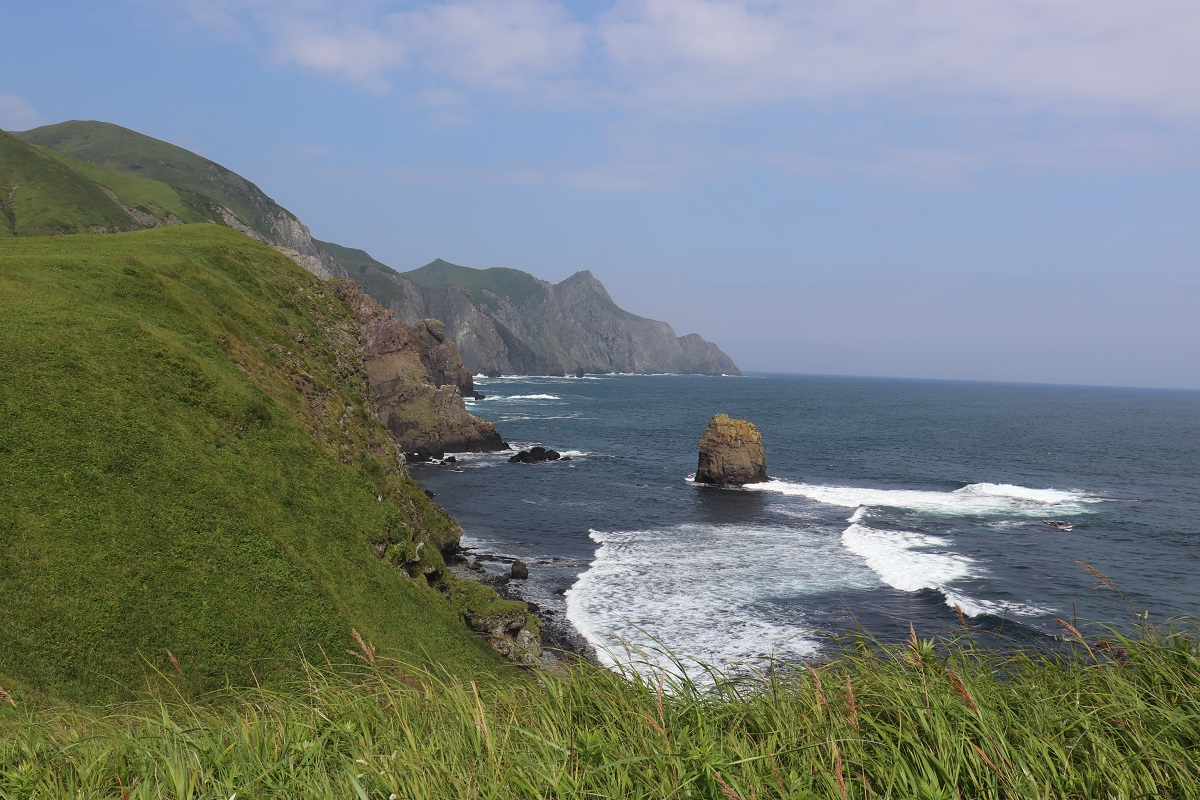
[731, 453]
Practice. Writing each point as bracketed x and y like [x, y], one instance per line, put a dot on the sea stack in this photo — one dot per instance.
[731, 453]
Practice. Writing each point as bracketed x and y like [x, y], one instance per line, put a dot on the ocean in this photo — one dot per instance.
[893, 502]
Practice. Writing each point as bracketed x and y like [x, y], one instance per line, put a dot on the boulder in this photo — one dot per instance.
[519, 571]
[731, 453]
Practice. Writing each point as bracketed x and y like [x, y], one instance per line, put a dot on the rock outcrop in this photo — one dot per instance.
[731, 453]
[505, 321]
[415, 377]
[536, 455]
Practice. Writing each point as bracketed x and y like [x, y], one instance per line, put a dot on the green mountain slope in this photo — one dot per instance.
[134, 153]
[374, 276]
[510, 284]
[206, 188]
[40, 195]
[507, 321]
[188, 469]
[149, 201]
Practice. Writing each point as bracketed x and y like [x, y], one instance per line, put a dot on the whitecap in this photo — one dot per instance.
[976, 499]
[717, 593]
[911, 562]
[906, 561]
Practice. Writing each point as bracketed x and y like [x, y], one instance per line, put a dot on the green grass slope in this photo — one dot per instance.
[354, 259]
[367, 272]
[519, 287]
[134, 153]
[187, 469]
[41, 196]
[158, 203]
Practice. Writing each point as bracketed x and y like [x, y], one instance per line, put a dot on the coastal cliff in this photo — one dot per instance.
[509, 322]
[417, 381]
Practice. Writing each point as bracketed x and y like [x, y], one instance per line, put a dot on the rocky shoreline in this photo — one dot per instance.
[562, 645]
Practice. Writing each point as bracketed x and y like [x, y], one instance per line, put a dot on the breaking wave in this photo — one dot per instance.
[977, 499]
[716, 593]
[911, 562]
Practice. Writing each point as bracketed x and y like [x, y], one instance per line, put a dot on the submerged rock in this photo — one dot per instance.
[731, 453]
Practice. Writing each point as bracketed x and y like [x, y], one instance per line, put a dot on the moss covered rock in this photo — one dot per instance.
[731, 453]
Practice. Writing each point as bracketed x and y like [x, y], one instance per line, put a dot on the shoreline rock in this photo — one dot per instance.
[731, 453]
[417, 382]
[537, 455]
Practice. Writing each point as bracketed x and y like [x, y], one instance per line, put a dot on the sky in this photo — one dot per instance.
[998, 190]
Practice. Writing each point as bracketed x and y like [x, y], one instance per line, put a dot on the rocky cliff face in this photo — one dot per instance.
[513, 323]
[415, 377]
[731, 453]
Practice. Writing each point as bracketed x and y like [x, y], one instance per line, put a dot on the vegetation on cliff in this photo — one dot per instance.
[192, 475]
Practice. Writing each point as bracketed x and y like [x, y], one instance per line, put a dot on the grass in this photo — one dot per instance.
[42, 196]
[909, 721]
[189, 472]
[518, 287]
[133, 153]
[162, 201]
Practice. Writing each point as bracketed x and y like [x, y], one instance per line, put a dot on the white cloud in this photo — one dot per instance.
[885, 89]
[1077, 56]
[1071, 55]
[500, 44]
[16, 114]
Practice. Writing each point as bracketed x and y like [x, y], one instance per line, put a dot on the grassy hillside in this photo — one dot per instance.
[189, 474]
[354, 259]
[368, 273]
[158, 203]
[133, 153]
[41, 196]
[519, 287]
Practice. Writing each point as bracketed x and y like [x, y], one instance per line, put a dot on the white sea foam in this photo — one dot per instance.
[906, 561]
[501, 398]
[911, 562]
[977, 499]
[974, 607]
[717, 593]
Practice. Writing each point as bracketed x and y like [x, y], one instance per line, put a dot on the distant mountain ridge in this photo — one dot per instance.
[507, 321]
[95, 177]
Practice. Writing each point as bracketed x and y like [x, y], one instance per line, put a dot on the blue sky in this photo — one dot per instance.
[994, 190]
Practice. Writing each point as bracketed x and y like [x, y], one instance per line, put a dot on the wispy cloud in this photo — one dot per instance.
[1072, 55]
[16, 113]
[978, 84]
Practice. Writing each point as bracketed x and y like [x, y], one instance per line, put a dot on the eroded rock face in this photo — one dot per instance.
[731, 453]
[416, 380]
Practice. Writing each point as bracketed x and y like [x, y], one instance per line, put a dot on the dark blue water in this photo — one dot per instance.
[895, 501]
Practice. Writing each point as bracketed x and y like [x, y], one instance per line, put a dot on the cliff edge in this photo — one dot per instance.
[417, 381]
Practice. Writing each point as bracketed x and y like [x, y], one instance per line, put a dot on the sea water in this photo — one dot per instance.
[891, 502]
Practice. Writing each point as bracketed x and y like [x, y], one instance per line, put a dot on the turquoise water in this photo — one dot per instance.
[893, 502]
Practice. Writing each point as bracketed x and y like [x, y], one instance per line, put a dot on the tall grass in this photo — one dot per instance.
[915, 720]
